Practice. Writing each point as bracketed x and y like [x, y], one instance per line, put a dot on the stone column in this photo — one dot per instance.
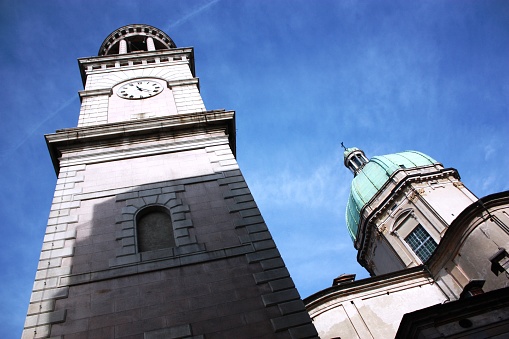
[150, 45]
[122, 48]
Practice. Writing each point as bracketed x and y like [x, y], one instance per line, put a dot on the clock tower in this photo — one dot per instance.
[153, 232]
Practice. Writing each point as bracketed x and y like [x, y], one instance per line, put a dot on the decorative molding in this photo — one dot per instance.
[385, 196]
[128, 61]
[209, 121]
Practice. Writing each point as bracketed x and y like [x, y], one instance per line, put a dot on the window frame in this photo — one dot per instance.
[422, 242]
[143, 212]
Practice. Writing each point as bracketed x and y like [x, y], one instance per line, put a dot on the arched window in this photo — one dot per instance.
[154, 230]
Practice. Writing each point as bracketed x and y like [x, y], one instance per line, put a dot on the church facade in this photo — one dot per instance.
[153, 231]
[437, 255]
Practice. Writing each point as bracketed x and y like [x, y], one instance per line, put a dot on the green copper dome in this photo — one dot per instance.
[372, 176]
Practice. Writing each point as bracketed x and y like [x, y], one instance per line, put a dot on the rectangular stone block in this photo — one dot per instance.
[49, 263]
[49, 237]
[164, 198]
[187, 249]
[129, 210]
[243, 198]
[55, 253]
[228, 162]
[173, 189]
[59, 187]
[53, 272]
[137, 202]
[125, 250]
[262, 245]
[169, 333]
[158, 265]
[241, 206]
[63, 220]
[162, 253]
[185, 240]
[181, 232]
[267, 276]
[36, 332]
[256, 228]
[73, 168]
[113, 273]
[53, 245]
[70, 191]
[60, 199]
[46, 283]
[75, 279]
[178, 216]
[182, 224]
[45, 318]
[124, 233]
[281, 284]
[54, 293]
[272, 263]
[291, 320]
[249, 213]
[174, 202]
[59, 213]
[304, 332]
[232, 173]
[237, 185]
[280, 296]
[40, 307]
[236, 192]
[260, 236]
[292, 307]
[128, 241]
[248, 221]
[230, 180]
[151, 199]
[127, 259]
[126, 196]
[201, 257]
[238, 250]
[263, 255]
[181, 208]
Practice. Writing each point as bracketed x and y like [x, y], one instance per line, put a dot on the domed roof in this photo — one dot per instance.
[373, 176]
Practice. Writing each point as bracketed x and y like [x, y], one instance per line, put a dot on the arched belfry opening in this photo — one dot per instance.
[135, 38]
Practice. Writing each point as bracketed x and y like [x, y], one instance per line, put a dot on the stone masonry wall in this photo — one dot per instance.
[225, 278]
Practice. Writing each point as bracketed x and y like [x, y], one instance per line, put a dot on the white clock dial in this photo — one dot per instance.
[139, 89]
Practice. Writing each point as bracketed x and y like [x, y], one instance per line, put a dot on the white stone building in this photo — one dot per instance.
[436, 253]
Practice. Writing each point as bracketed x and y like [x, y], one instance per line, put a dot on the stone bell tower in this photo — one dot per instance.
[153, 232]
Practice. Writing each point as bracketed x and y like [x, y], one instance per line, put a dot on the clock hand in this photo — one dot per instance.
[142, 89]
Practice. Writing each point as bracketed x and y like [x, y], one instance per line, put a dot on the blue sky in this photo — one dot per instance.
[385, 76]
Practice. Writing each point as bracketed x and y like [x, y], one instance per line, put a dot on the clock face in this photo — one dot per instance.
[139, 89]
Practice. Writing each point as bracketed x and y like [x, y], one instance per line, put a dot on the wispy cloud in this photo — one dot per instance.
[190, 15]
[321, 188]
[35, 128]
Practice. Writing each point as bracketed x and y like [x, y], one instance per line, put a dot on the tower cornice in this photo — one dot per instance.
[112, 132]
[108, 63]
